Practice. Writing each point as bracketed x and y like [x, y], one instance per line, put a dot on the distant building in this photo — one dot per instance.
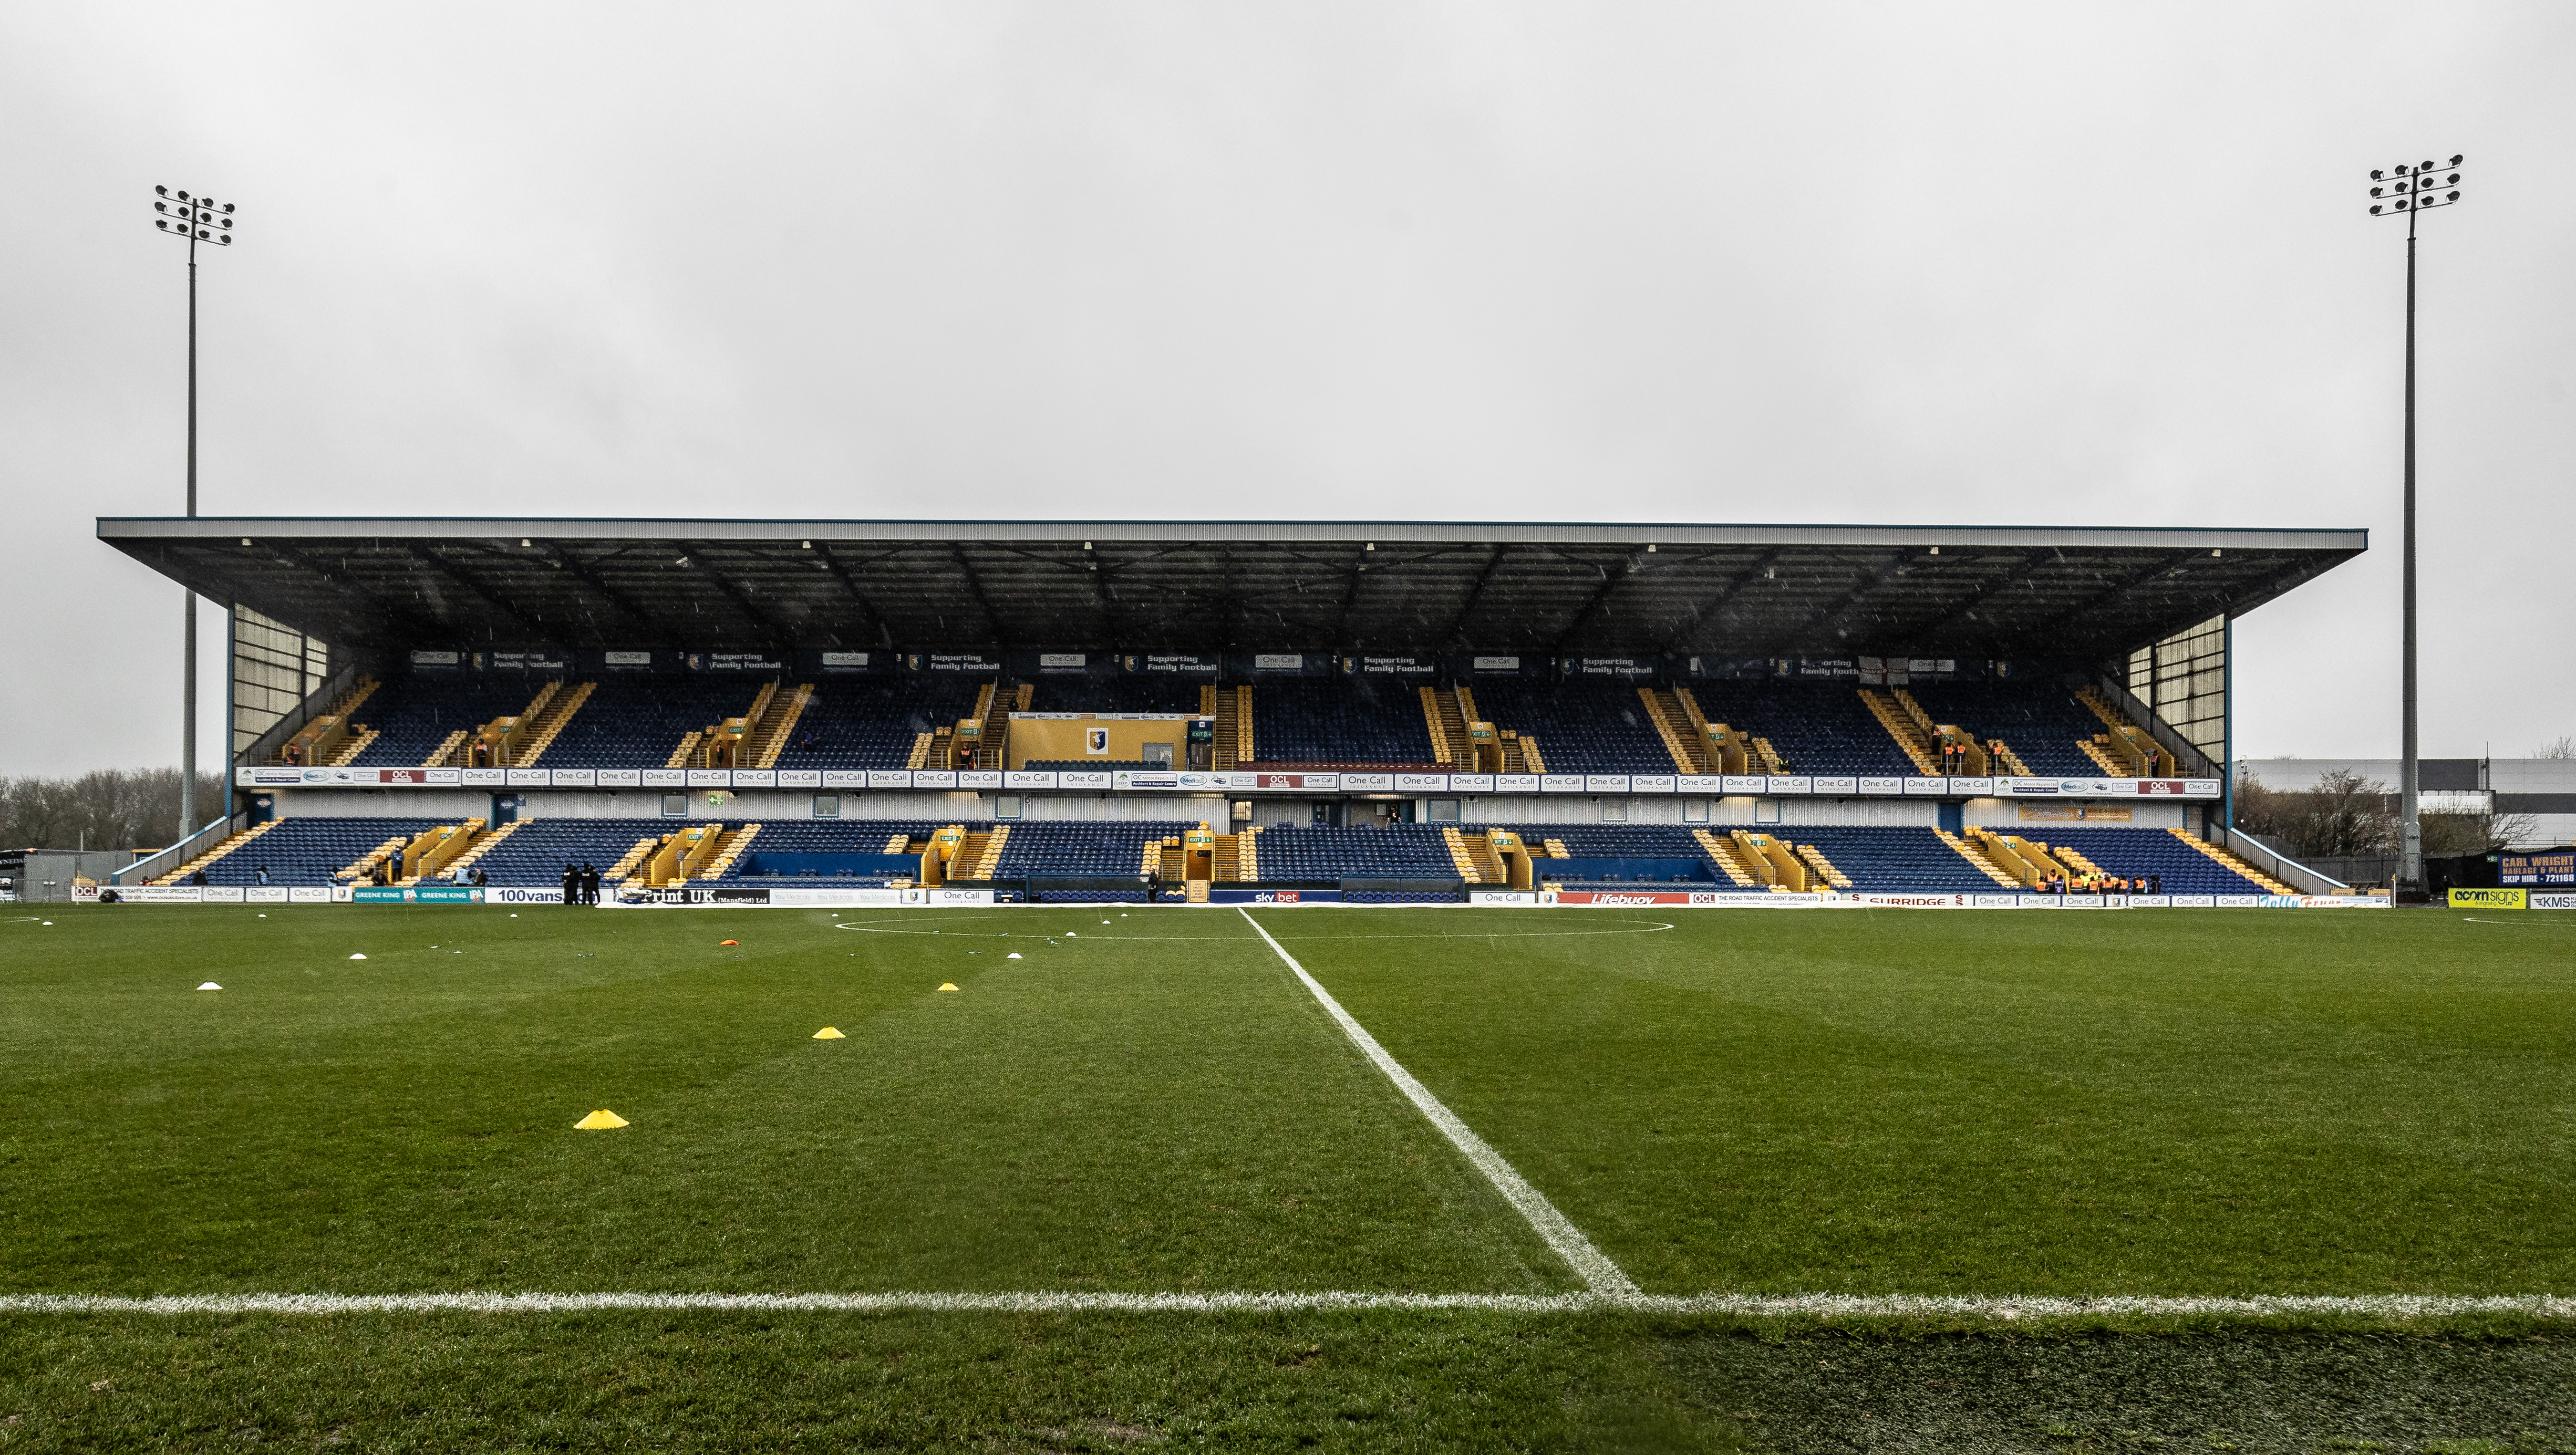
[2542, 788]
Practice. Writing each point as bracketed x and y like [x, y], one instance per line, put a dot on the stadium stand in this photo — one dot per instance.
[639, 721]
[536, 850]
[1894, 860]
[2040, 721]
[1117, 694]
[1091, 765]
[871, 722]
[1399, 851]
[2135, 853]
[1816, 727]
[1354, 721]
[309, 851]
[413, 715]
[1581, 727]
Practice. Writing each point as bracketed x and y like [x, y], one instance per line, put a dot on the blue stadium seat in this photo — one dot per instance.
[414, 714]
[871, 722]
[1581, 727]
[2040, 721]
[2136, 853]
[1339, 720]
[310, 851]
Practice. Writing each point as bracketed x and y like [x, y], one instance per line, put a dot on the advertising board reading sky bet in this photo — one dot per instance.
[2016, 264]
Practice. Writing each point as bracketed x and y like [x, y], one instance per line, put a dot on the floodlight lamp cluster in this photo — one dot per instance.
[2416, 186]
[198, 219]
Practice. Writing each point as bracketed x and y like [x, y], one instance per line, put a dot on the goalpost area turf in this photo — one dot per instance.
[1148, 1112]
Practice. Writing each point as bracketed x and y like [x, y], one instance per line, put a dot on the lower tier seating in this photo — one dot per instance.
[309, 851]
[1108, 848]
[2136, 853]
[1399, 851]
[1892, 860]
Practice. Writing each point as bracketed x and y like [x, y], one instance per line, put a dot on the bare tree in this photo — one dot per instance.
[2565, 747]
[2344, 816]
[109, 809]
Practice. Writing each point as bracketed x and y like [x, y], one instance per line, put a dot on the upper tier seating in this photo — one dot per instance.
[1399, 851]
[2136, 853]
[1581, 727]
[1338, 720]
[1818, 727]
[1092, 765]
[635, 722]
[871, 722]
[1893, 860]
[309, 851]
[1137, 693]
[2040, 721]
[413, 714]
[1110, 848]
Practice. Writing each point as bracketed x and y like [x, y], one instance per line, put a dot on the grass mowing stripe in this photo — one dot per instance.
[1995, 1311]
[1589, 1263]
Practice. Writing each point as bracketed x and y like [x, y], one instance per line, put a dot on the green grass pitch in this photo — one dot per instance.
[1871, 1102]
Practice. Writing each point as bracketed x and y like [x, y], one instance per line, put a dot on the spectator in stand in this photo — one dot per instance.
[2155, 884]
[260, 875]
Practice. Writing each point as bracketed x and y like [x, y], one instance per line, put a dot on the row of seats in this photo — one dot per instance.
[1581, 727]
[311, 851]
[1092, 765]
[1360, 720]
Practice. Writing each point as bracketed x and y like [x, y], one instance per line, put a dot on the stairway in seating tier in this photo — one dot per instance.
[358, 743]
[1448, 727]
[1974, 855]
[2008, 760]
[988, 855]
[770, 734]
[1723, 851]
[1823, 867]
[632, 860]
[365, 866]
[732, 846]
[1673, 724]
[226, 846]
[687, 751]
[1892, 717]
[463, 864]
[2232, 863]
[2127, 750]
[548, 719]
[1474, 857]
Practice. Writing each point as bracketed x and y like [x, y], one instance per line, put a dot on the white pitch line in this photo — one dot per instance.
[1984, 1309]
[1589, 1263]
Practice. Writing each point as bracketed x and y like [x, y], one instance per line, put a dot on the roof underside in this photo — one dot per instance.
[1752, 591]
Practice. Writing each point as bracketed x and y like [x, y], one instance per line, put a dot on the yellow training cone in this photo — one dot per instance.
[599, 1121]
[829, 1034]
[948, 987]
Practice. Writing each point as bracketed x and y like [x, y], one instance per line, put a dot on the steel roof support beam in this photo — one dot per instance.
[461, 577]
[614, 597]
[975, 588]
[2127, 582]
[1870, 581]
[388, 614]
[850, 584]
[776, 634]
[1711, 605]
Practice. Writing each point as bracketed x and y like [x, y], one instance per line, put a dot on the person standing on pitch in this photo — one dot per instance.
[590, 884]
[571, 884]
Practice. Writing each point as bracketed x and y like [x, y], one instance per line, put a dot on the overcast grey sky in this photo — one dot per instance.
[2051, 264]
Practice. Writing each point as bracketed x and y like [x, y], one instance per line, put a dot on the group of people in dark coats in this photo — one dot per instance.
[581, 884]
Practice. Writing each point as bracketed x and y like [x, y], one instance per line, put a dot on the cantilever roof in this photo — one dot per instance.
[1749, 590]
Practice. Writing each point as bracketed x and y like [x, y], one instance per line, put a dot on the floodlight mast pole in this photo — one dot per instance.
[197, 219]
[2409, 190]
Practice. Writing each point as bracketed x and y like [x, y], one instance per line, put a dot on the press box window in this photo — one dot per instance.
[1444, 810]
[1615, 811]
[675, 805]
[1695, 810]
[827, 805]
[1006, 805]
